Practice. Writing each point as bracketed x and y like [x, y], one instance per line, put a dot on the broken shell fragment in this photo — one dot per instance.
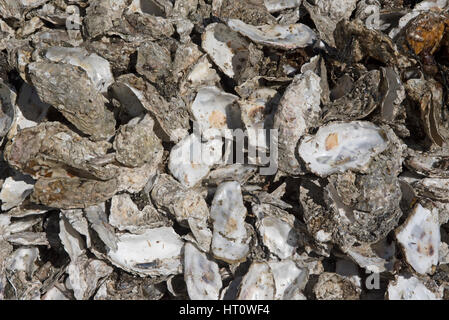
[281, 36]
[136, 143]
[227, 48]
[201, 274]
[410, 288]
[420, 238]
[338, 147]
[258, 283]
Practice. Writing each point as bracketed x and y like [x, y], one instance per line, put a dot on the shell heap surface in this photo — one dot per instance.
[224, 149]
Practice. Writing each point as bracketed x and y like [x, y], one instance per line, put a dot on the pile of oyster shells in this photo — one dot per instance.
[101, 197]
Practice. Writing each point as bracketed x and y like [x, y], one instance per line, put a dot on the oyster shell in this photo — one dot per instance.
[230, 241]
[155, 252]
[60, 85]
[97, 68]
[410, 288]
[258, 283]
[420, 238]
[136, 143]
[190, 160]
[201, 274]
[280, 36]
[338, 147]
[226, 48]
[293, 121]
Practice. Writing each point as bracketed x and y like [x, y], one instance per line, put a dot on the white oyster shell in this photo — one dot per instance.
[258, 283]
[410, 289]
[97, 68]
[213, 108]
[282, 36]
[278, 5]
[420, 238]
[190, 160]
[201, 275]
[338, 147]
[278, 236]
[229, 239]
[155, 252]
[227, 48]
[289, 280]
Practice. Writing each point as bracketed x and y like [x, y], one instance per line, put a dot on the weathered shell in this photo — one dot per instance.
[299, 109]
[155, 252]
[7, 108]
[338, 147]
[230, 238]
[137, 95]
[327, 13]
[332, 286]
[97, 68]
[72, 193]
[289, 280]
[420, 238]
[186, 205]
[278, 236]
[201, 274]
[61, 85]
[137, 144]
[227, 48]
[52, 149]
[281, 36]
[126, 216]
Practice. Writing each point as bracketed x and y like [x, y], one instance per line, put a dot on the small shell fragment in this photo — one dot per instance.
[420, 238]
[410, 288]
